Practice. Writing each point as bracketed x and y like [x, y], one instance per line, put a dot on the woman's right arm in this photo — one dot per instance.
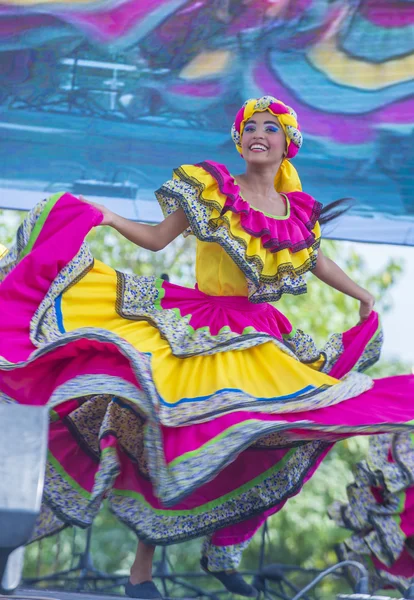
[150, 237]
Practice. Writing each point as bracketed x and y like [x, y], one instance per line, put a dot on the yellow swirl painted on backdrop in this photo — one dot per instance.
[345, 70]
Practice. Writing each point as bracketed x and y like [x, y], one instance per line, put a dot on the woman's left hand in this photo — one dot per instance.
[108, 215]
[366, 307]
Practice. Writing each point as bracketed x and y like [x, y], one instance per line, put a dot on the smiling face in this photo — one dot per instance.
[263, 139]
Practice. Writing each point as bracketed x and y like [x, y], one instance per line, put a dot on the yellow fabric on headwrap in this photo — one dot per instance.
[287, 178]
[3, 250]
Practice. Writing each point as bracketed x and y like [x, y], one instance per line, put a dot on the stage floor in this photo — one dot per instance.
[22, 594]
[30, 594]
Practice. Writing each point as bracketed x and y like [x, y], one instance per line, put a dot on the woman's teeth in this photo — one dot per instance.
[258, 148]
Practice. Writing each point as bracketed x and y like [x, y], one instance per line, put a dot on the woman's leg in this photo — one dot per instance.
[141, 569]
[140, 584]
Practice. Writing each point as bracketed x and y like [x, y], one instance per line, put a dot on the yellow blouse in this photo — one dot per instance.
[240, 249]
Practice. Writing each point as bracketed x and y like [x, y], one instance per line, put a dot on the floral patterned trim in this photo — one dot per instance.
[303, 347]
[139, 299]
[47, 523]
[46, 318]
[269, 292]
[5, 399]
[11, 258]
[378, 578]
[376, 526]
[68, 501]
[79, 436]
[222, 558]
[307, 352]
[104, 416]
[372, 352]
[308, 265]
[223, 401]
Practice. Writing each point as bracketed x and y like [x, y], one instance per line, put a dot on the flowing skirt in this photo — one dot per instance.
[191, 414]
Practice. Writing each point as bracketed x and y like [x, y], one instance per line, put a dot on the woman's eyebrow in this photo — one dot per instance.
[265, 123]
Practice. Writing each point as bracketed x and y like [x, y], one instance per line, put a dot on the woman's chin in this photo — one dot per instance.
[261, 158]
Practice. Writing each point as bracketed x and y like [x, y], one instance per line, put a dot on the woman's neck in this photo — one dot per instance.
[260, 180]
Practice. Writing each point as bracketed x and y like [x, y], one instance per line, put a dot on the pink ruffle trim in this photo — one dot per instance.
[294, 232]
[215, 312]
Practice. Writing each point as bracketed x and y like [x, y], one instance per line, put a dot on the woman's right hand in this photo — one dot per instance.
[108, 215]
[366, 306]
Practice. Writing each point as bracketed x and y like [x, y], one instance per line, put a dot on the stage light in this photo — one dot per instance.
[107, 189]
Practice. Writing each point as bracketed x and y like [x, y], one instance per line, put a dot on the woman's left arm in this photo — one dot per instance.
[328, 271]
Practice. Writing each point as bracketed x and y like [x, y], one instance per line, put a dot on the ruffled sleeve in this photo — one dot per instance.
[273, 252]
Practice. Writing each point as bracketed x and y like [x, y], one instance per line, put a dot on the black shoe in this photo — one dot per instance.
[147, 590]
[233, 582]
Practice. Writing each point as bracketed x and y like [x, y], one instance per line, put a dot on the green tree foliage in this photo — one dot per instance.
[9, 222]
[301, 533]
[177, 260]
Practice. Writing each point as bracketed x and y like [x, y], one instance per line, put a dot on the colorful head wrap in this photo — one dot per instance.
[287, 178]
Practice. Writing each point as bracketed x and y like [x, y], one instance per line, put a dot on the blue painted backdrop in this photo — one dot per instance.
[105, 97]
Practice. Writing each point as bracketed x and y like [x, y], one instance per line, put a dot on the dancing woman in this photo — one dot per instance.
[193, 411]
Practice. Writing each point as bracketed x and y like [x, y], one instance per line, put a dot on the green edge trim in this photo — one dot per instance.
[161, 293]
[401, 504]
[54, 416]
[213, 503]
[287, 336]
[214, 440]
[276, 217]
[56, 464]
[40, 223]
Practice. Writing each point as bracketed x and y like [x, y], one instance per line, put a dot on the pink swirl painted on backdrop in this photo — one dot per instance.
[388, 13]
